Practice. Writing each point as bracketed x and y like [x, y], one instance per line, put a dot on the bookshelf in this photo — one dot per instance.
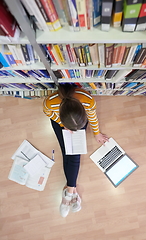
[65, 36]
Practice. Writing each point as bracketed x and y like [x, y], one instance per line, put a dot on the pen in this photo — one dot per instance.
[53, 155]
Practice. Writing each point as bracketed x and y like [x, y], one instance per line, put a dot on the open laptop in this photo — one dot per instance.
[114, 162]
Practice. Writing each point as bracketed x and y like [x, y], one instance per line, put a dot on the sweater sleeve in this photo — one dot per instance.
[92, 116]
[47, 109]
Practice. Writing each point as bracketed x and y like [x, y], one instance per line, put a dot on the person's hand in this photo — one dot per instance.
[101, 138]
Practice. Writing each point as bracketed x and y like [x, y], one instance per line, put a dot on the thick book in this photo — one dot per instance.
[60, 11]
[74, 14]
[93, 48]
[106, 14]
[130, 15]
[51, 13]
[7, 22]
[82, 16]
[75, 142]
[23, 155]
[141, 22]
[96, 12]
[109, 50]
[117, 13]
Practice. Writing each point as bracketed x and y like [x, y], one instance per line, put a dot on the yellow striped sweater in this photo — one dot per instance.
[52, 103]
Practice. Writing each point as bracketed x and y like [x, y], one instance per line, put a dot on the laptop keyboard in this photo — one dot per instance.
[110, 157]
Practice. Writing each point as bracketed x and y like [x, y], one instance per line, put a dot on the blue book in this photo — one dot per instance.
[30, 53]
[71, 72]
[3, 60]
[99, 74]
[44, 73]
[74, 14]
[96, 12]
[136, 51]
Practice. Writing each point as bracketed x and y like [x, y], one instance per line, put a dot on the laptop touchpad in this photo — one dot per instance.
[103, 150]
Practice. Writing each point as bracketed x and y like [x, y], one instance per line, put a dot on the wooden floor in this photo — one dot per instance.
[107, 213]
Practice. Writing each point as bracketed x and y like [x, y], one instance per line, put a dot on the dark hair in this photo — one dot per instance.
[72, 112]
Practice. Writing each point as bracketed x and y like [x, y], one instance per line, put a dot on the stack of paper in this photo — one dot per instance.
[30, 167]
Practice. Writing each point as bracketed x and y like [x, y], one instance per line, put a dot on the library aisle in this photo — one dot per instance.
[107, 213]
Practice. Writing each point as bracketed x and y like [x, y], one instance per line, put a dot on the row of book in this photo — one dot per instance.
[100, 55]
[38, 74]
[20, 54]
[107, 75]
[38, 93]
[27, 86]
[78, 15]
[89, 85]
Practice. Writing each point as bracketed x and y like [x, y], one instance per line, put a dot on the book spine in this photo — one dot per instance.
[4, 61]
[121, 54]
[25, 53]
[43, 12]
[109, 48]
[60, 11]
[106, 13]
[140, 57]
[10, 59]
[68, 48]
[92, 85]
[59, 53]
[30, 53]
[74, 14]
[117, 13]
[127, 49]
[89, 13]
[131, 54]
[88, 55]
[96, 12]
[52, 14]
[13, 50]
[130, 16]
[81, 9]
[117, 48]
[101, 51]
[94, 53]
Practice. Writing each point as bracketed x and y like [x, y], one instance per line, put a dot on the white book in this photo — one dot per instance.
[131, 54]
[75, 142]
[101, 52]
[15, 54]
[34, 166]
[19, 175]
[27, 152]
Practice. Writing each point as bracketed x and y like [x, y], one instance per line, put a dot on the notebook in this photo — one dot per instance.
[113, 162]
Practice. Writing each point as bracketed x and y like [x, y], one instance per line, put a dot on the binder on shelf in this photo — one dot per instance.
[106, 14]
[117, 13]
[130, 14]
[141, 22]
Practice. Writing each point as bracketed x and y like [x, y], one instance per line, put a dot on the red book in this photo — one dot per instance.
[51, 13]
[7, 22]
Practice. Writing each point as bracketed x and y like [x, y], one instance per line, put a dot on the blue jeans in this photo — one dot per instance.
[71, 163]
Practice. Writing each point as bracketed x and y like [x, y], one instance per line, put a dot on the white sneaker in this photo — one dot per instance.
[65, 204]
[76, 203]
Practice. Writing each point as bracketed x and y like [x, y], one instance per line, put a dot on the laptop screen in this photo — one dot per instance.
[121, 170]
